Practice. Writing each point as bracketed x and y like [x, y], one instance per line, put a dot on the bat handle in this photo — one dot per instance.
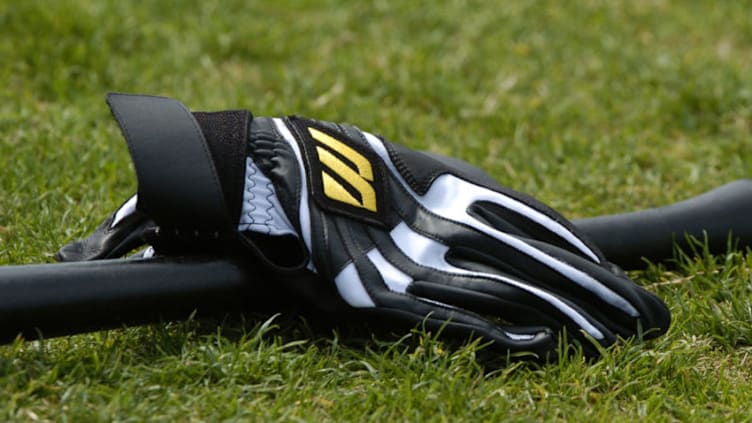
[68, 298]
[627, 238]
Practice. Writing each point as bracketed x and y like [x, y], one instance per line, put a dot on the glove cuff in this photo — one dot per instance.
[226, 135]
[179, 185]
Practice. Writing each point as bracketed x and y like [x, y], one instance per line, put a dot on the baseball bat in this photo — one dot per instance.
[718, 216]
[67, 298]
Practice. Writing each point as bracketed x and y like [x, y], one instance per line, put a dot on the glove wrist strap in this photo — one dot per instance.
[178, 184]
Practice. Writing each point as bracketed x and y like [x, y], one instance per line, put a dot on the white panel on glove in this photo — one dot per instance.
[447, 191]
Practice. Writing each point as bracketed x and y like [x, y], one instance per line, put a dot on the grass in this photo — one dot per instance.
[593, 107]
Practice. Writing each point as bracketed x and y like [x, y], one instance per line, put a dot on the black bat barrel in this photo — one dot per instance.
[68, 298]
[718, 215]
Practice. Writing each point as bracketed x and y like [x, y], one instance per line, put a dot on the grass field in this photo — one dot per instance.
[593, 107]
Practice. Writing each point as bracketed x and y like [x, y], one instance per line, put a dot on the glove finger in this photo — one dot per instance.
[611, 298]
[409, 311]
[118, 234]
[653, 315]
[517, 214]
[517, 218]
[516, 306]
[453, 183]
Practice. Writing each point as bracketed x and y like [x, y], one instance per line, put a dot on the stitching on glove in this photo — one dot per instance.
[350, 247]
[293, 131]
[398, 206]
[402, 168]
[420, 186]
[250, 184]
[269, 198]
[478, 276]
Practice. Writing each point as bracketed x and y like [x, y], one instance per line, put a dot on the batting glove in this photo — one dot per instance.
[391, 233]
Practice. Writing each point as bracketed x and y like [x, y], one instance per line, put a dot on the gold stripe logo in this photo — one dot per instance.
[359, 178]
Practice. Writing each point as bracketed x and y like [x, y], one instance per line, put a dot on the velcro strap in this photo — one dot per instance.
[178, 185]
